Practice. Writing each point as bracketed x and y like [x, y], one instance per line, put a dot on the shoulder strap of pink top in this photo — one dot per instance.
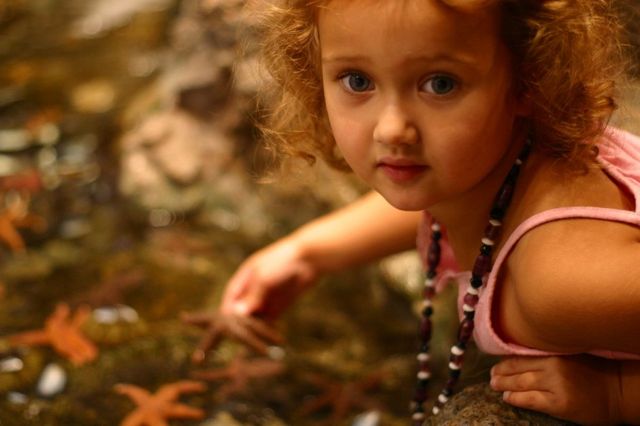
[627, 173]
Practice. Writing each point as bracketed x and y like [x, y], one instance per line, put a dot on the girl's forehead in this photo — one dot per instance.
[400, 13]
[409, 19]
[395, 33]
[467, 6]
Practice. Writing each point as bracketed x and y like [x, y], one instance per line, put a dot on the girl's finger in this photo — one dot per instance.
[250, 303]
[518, 365]
[531, 400]
[238, 284]
[527, 381]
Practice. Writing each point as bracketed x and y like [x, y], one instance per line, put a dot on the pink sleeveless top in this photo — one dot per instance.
[620, 156]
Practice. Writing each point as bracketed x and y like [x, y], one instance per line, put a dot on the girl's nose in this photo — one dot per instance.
[394, 127]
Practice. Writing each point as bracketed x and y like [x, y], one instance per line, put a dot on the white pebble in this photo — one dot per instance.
[52, 381]
[17, 398]
[11, 365]
[128, 314]
[105, 315]
[370, 418]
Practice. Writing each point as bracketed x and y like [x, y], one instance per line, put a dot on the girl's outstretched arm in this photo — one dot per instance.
[581, 388]
[271, 279]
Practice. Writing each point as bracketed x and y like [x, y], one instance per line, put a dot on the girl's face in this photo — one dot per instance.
[419, 96]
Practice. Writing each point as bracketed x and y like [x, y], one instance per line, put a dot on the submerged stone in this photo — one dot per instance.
[52, 381]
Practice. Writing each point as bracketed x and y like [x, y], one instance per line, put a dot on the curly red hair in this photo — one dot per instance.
[567, 54]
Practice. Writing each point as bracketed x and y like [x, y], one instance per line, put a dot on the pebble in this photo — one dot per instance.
[9, 166]
[52, 381]
[17, 398]
[370, 418]
[12, 140]
[11, 364]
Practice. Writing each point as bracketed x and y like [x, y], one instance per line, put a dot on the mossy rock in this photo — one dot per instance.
[480, 405]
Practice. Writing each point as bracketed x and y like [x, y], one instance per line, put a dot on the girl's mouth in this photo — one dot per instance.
[401, 173]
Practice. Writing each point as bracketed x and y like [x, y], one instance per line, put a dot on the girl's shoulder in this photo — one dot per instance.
[575, 284]
[570, 272]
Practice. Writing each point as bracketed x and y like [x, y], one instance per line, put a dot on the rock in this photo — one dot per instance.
[480, 405]
[94, 97]
[106, 15]
[52, 381]
[370, 418]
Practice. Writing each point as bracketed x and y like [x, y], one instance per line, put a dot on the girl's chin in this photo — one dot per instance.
[404, 203]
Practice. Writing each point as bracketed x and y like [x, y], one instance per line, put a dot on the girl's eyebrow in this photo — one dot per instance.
[346, 58]
[441, 57]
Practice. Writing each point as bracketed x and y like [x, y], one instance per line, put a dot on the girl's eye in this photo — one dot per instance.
[356, 82]
[439, 85]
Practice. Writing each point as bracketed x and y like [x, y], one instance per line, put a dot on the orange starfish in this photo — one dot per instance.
[342, 397]
[238, 373]
[63, 334]
[250, 331]
[16, 215]
[154, 409]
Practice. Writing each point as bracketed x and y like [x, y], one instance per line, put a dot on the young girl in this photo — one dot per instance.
[435, 104]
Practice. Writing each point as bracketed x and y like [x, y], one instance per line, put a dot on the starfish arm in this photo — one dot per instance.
[373, 380]
[246, 336]
[262, 329]
[368, 403]
[58, 318]
[199, 319]
[82, 314]
[77, 349]
[138, 395]
[321, 381]
[30, 338]
[183, 411]
[32, 221]
[155, 419]
[212, 375]
[171, 391]
[263, 368]
[10, 235]
[135, 418]
[341, 407]
[209, 341]
[214, 325]
[67, 338]
[315, 404]
[225, 391]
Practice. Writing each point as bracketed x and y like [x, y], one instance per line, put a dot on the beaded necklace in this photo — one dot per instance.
[479, 273]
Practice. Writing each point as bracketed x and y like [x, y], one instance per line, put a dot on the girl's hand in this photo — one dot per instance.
[581, 388]
[269, 281]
